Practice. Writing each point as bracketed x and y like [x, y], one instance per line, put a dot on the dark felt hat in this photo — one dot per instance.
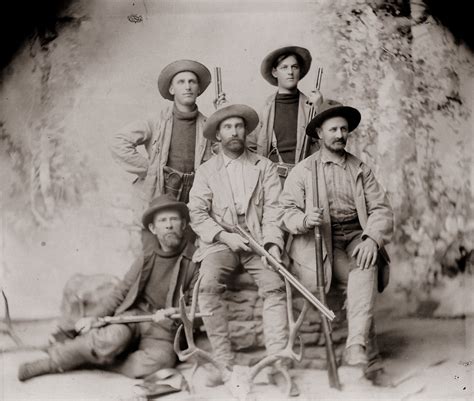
[163, 202]
[331, 108]
[167, 74]
[235, 110]
[268, 62]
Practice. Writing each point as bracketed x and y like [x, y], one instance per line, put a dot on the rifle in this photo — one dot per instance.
[280, 268]
[320, 282]
[312, 112]
[218, 85]
[124, 319]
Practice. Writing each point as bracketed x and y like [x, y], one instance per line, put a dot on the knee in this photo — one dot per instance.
[211, 283]
[272, 287]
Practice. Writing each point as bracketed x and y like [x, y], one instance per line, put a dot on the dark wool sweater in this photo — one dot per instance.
[285, 125]
[183, 140]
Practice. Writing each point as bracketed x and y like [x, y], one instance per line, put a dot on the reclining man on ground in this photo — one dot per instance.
[152, 284]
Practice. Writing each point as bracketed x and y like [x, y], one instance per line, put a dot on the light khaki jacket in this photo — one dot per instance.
[373, 209]
[155, 135]
[261, 138]
[211, 201]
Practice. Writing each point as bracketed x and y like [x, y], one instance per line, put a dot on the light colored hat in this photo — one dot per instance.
[167, 74]
[269, 62]
[331, 108]
[235, 110]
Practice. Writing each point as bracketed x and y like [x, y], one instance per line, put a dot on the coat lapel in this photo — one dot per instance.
[252, 174]
[201, 142]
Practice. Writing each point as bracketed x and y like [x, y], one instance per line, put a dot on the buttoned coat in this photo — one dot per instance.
[261, 138]
[184, 275]
[211, 201]
[373, 209]
[155, 135]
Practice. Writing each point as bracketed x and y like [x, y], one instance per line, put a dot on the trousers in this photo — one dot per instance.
[360, 285]
[135, 350]
[215, 270]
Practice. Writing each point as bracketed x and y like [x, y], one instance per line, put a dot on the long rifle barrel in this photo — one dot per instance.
[320, 283]
[218, 81]
[260, 250]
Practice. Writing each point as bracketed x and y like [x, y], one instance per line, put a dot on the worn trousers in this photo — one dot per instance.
[215, 270]
[360, 285]
[107, 347]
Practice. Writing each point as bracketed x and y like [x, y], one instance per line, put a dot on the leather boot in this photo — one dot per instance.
[40, 367]
[355, 355]
[216, 377]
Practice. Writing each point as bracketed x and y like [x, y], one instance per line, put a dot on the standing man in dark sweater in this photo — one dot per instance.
[173, 140]
[280, 135]
[151, 286]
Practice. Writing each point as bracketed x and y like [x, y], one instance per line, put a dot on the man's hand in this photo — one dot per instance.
[84, 324]
[234, 241]
[366, 253]
[313, 218]
[315, 98]
[219, 101]
[275, 252]
[163, 314]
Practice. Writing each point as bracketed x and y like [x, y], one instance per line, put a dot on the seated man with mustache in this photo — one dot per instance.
[355, 219]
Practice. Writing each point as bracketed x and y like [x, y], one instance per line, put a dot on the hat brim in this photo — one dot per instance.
[236, 110]
[351, 114]
[269, 61]
[171, 205]
[167, 74]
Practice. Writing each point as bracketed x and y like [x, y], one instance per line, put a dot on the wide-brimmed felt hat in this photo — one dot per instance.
[167, 74]
[234, 110]
[331, 108]
[164, 202]
[269, 62]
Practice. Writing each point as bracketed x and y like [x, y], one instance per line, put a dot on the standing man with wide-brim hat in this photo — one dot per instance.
[355, 219]
[280, 135]
[236, 186]
[173, 140]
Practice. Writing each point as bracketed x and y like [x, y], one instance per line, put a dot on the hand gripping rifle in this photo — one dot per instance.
[320, 282]
[280, 268]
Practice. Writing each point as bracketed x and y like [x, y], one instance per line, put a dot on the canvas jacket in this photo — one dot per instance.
[185, 273]
[373, 209]
[261, 138]
[211, 201]
[155, 135]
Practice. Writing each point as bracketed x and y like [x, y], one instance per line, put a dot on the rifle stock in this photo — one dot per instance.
[280, 268]
[320, 283]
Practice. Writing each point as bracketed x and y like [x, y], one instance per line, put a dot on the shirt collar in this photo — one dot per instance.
[327, 157]
[228, 160]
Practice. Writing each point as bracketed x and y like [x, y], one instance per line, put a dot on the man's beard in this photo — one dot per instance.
[171, 240]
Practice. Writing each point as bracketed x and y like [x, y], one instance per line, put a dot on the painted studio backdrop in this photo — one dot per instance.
[66, 207]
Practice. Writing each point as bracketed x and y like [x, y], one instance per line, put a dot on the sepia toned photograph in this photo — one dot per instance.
[236, 200]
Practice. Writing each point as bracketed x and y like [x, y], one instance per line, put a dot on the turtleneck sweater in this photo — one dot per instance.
[158, 284]
[183, 140]
[285, 125]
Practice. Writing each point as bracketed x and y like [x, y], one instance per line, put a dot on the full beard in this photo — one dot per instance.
[171, 240]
